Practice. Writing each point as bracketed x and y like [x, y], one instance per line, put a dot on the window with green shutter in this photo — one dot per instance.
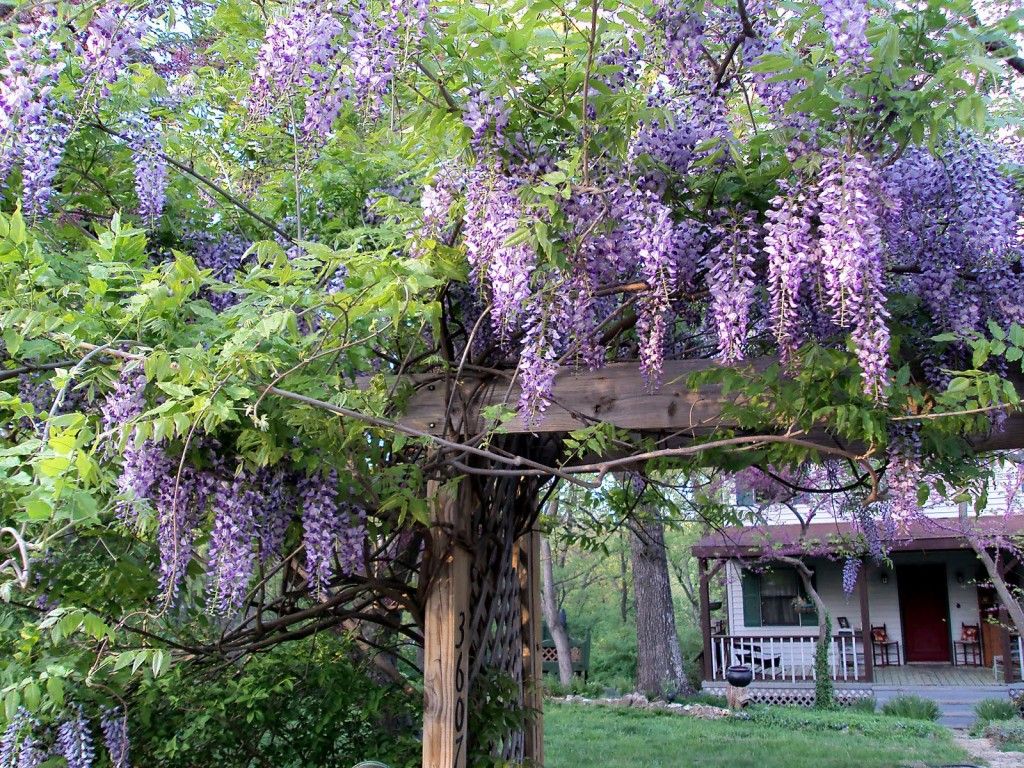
[774, 598]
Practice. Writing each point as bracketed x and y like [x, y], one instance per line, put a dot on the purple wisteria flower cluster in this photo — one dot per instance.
[146, 144]
[74, 740]
[500, 268]
[792, 252]
[333, 531]
[114, 725]
[112, 36]
[27, 744]
[730, 277]
[33, 129]
[222, 254]
[18, 746]
[846, 21]
[853, 262]
[653, 228]
[851, 569]
[304, 50]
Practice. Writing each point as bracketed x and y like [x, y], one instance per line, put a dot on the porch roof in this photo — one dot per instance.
[931, 534]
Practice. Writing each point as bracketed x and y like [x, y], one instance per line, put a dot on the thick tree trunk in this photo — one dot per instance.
[659, 669]
[1013, 608]
[553, 616]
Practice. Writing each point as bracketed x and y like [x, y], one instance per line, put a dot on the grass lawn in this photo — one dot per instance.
[580, 736]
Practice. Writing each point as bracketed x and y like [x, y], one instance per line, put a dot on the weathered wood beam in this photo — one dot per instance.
[615, 394]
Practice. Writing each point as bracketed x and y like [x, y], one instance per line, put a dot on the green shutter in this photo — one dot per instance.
[751, 585]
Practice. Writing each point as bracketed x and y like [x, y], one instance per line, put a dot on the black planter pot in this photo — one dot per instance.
[739, 675]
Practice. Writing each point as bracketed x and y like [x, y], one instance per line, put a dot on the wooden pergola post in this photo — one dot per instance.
[446, 632]
[528, 567]
[865, 624]
[705, 613]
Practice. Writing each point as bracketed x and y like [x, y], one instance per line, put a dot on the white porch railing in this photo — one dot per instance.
[786, 657]
[1020, 656]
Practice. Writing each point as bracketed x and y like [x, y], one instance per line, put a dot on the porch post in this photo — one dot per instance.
[705, 614]
[865, 623]
[1006, 644]
[446, 631]
[528, 566]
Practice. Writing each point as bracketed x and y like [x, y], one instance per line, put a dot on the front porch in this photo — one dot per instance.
[927, 616]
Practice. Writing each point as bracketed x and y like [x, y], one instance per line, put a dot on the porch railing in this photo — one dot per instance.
[785, 658]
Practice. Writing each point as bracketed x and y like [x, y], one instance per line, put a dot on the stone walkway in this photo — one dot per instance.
[982, 749]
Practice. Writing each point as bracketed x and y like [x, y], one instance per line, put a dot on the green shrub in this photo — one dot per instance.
[912, 707]
[988, 710]
[613, 653]
[300, 704]
[859, 704]
[1006, 732]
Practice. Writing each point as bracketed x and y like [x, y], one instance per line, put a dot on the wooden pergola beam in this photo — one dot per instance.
[615, 394]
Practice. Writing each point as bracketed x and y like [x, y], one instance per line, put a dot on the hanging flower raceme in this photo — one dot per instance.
[730, 276]
[150, 169]
[19, 745]
[494, 213]
[791, 249]
[853, 262]
[74, 741]
[299, 49]
[538, 361]
[26, 83]
[321, 524]
[903, 474]
[846, 21]
[653, 234]
[232, 555]
[45, 131]
[114, 33]
[180, 500]
[114, 724]
[851, 568]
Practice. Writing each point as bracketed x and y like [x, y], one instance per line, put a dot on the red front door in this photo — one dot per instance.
[924, 609]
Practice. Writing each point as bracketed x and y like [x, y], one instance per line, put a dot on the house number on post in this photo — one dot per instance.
[460, 688]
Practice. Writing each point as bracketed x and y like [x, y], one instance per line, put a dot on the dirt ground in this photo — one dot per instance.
[983, 749]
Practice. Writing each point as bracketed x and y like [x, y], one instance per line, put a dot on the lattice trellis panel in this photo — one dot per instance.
[800, 697]
[507, 507]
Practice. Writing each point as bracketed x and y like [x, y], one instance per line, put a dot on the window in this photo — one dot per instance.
[774, 599]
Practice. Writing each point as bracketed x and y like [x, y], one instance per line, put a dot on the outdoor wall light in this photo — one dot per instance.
[884, 578]
[960, 579]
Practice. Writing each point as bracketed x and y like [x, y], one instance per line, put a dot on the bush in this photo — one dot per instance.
[1006, 732]
[300, 704]
[988, 710]
[868, 705]
[912, 707]
[613, 653]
